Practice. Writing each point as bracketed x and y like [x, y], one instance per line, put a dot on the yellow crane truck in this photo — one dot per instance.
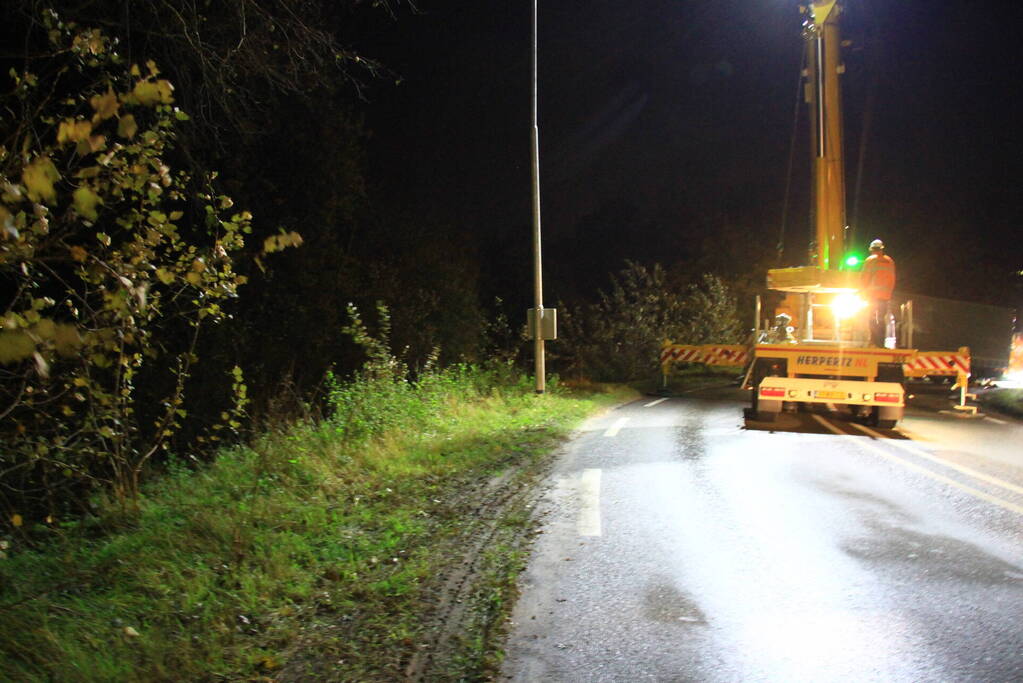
[825, 357]
[827, 360]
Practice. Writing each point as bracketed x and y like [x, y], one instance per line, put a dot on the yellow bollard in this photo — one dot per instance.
[962, 384]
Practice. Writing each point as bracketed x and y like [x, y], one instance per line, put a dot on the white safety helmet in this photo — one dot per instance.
[876, 244]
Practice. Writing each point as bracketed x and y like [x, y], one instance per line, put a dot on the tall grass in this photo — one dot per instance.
[1007, 401]
[304, 553]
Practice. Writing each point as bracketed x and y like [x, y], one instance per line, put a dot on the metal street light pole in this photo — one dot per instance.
[537, 266]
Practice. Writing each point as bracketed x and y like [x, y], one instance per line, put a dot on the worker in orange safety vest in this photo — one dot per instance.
[876, 284]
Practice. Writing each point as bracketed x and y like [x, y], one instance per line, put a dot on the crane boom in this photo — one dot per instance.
[823, 93]
[823, 272]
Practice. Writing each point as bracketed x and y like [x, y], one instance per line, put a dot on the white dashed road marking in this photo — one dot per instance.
[616, 427]
[589, 500]
[653, 403]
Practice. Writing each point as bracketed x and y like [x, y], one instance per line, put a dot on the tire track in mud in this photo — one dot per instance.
[514, 491]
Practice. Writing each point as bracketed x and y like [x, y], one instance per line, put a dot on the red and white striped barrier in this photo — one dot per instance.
[709, 354]
[726, 355]
[937, 364]
[677, 353]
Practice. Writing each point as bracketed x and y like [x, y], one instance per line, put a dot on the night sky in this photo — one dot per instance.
[665, 128]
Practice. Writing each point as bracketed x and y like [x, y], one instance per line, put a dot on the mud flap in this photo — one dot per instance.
[761, 368]
[767, 410]
[886, 417]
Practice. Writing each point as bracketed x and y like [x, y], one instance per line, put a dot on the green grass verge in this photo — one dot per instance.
[308, 555]
[689, 377]
[1007, 401]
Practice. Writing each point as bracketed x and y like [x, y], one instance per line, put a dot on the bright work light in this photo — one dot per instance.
[847, 305]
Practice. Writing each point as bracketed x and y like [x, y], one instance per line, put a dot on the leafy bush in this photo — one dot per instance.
[619, 337]
[386, 393]
[114, 260]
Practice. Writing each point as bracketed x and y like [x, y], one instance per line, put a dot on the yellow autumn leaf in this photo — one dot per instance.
[67, 340]
[153, 92]
[93, 143]
[193, 278]
[146, 93]
[39, 177]
[91, 41]
[88, 172]
[85, 203]
[126, 126]
[71, 130]
[15, 346]
[166, 277]
[16, 520]
[281, 241]
[165, 89]
[45, 329]
[79, 254]
[106, 105]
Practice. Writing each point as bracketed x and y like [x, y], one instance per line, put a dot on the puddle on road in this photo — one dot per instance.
[939, 557]
[666, 604]
[878, 508]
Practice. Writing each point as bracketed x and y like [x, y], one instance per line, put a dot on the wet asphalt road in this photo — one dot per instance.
[678, 545]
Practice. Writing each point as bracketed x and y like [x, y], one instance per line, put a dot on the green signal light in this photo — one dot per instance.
[852, 260]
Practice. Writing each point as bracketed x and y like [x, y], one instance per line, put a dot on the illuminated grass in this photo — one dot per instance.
[1008, 401]
[305, 553]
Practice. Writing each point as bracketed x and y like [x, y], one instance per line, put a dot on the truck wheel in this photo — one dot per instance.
[766, 416]
[887, 424]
